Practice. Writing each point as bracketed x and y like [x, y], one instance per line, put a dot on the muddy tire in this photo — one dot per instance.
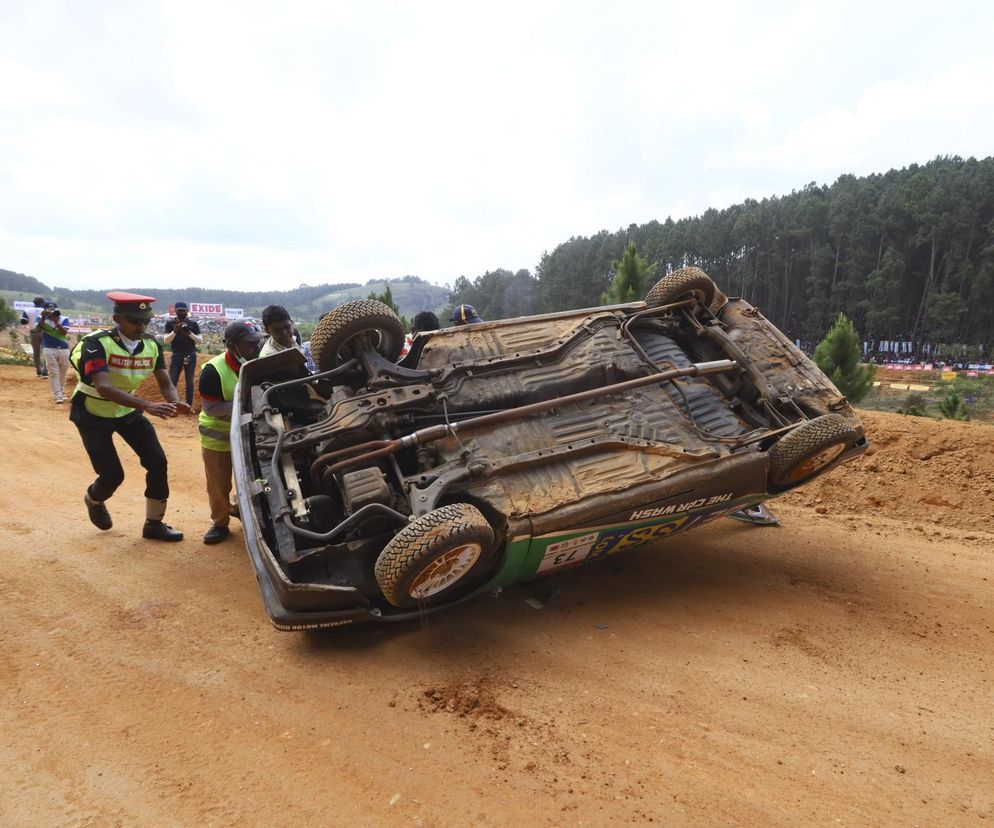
[808, 449]
[331, 342]
[682, 284]
[433, 557]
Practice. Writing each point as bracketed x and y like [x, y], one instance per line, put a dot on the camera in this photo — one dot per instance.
[180, 325]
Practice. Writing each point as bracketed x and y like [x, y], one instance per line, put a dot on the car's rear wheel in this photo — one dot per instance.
[808, 449]
[435, 556]
[685, 283]
[338, 335]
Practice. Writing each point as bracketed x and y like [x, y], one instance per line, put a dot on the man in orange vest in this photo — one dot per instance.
[111, 366]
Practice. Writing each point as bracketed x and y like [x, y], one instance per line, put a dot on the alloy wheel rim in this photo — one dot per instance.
[445, 570]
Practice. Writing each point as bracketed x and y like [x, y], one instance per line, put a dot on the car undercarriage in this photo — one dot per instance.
[487, 437]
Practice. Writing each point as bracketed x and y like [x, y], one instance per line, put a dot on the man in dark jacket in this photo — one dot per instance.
[183, 337]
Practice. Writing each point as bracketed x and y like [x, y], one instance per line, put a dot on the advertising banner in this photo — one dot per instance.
[206, 309]
[233, 313]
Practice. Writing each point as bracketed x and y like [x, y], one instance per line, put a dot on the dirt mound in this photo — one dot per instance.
[474, 698]
[917, 470]
[149, 389]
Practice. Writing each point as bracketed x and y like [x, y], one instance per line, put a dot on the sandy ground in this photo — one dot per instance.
[835, 670]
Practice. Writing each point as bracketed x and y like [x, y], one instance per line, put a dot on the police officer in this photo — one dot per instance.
[217, 390]
[111, 366]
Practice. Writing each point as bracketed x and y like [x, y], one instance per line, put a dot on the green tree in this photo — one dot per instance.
[631, 278]
[945, 310]
[8, 316]
[387, 299]
[839, 355]
[953, 407]
[497, 294]
[914, 406]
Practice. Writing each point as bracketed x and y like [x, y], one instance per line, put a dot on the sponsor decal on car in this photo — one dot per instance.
[677, 508]
[566, 552]
[317, 625]
[593, 544]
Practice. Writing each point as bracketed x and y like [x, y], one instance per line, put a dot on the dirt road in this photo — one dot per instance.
[835, 670]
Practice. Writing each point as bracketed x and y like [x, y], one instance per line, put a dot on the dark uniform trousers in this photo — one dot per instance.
[187, 365]
[136, 430]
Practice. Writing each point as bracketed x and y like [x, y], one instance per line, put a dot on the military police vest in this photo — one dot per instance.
[126, 370]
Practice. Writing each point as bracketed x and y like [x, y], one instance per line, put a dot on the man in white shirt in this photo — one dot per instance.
[278, 324]
[31, 320]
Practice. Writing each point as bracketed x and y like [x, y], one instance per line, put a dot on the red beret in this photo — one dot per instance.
[132, 304]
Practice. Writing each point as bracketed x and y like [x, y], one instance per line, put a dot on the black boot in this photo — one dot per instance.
[157, 530]
[99, 516]
[216, 534]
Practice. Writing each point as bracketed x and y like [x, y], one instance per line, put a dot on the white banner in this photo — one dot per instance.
[206, 309]
[20, 306]
[233, 313]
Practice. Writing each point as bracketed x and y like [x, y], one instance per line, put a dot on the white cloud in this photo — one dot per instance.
[893, 123]
[228, 144]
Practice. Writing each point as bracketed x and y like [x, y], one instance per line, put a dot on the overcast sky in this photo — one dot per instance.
[258, 145]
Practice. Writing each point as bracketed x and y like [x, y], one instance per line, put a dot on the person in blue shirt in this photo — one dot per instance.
[309, 362]
[54, 330]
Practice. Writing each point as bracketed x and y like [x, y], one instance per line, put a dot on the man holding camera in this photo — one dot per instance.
[183, 337]
[54, 330]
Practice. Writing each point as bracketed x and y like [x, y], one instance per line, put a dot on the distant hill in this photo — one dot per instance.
[21, 284]
[305, 303]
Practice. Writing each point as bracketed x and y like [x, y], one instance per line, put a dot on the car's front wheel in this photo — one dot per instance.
[808, 449]
[338, 334]
[435, 555]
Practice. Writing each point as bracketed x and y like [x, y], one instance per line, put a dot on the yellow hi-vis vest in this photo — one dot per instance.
[215, 432]
[127, 371]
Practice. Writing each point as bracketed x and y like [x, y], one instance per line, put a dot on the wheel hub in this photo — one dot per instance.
[445, 570]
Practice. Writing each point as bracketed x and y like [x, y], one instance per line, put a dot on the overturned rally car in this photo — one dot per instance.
[500, 451]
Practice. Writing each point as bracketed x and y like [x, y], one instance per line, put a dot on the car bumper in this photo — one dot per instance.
[297, 606]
